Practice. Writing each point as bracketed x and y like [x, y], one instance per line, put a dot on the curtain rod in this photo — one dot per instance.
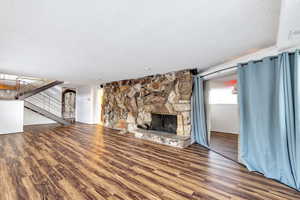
[220, 70]
[241, 64]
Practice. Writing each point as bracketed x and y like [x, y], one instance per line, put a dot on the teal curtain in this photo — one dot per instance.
[270, 117]
[199, 131]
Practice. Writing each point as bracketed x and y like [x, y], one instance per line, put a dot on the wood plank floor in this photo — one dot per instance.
[225, 144]
[90, 162]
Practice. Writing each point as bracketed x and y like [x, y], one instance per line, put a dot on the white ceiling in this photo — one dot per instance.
[84, 41]
[289, 26]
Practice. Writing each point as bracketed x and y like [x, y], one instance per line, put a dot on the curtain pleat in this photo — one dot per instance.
[199, 131]
[269, 117]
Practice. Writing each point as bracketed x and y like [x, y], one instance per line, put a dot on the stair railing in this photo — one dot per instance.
[49, 103]
[13, 88]
[17, 87]
[46, 102]
[29, 85]
[9, 88]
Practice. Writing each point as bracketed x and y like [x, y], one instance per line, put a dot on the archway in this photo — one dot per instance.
[69, 104]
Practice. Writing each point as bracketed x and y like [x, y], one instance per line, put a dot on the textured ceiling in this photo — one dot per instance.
[99, 41]
[289, 26]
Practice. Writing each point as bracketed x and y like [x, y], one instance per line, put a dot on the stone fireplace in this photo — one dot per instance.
[155, 108]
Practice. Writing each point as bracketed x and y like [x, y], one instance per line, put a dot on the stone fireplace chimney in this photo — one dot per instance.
[133, 102]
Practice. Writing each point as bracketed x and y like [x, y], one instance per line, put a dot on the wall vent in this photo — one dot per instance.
[294, 34]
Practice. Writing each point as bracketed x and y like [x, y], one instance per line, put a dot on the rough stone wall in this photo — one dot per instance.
[130, 103]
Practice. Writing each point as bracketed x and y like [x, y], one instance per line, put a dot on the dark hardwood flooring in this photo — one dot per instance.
[225, 144]
[93, 163]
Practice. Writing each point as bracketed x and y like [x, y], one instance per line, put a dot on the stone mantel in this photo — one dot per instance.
[129, 103]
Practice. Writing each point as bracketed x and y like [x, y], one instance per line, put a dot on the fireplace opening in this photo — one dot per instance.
[165, 123]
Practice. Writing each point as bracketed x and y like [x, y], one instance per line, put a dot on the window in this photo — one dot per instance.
[225, 95]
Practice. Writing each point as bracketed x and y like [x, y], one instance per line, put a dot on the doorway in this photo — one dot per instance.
[101, 106]
[223, 115]
[69, 104]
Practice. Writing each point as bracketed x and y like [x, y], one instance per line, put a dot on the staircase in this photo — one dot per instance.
[38, 100]
[45, 113]
[27, 92]
[35, 97]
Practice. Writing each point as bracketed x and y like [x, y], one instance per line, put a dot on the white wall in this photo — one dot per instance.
[84, 105]
[11, 116]
[97, 92]
[88, 105]
[224, 118]
[33, 118]
[56, 92]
